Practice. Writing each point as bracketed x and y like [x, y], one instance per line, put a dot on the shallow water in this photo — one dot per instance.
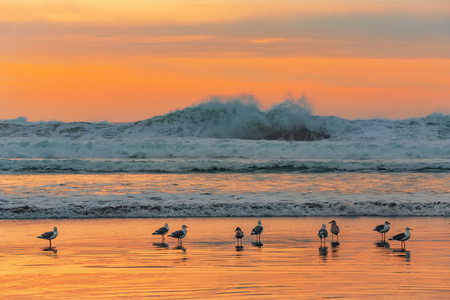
[41, 196]
[106, 258]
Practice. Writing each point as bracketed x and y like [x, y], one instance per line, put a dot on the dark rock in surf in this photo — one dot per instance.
[302, 134]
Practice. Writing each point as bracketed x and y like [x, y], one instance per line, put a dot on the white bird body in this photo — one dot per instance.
[49, 235]
[323, 232]
[383, 228]
[179, 234]
[162, 231]
[402, 237]
[258, 229]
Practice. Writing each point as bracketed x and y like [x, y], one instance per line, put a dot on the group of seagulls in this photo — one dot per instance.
[179, 234]
[383, 228]
[257, 230]
[402, 237]
[323, 232]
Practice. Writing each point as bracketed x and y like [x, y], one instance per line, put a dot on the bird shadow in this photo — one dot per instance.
[382, 244]
[161, 245]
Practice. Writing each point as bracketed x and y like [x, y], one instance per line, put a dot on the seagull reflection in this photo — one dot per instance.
[335, 244]
[54, 250]
[323, 251]
[179, 247]
[257, 244]
[406, 254]
[161, 245]
[383, 245]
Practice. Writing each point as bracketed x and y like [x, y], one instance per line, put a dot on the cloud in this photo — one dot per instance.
[390, 35]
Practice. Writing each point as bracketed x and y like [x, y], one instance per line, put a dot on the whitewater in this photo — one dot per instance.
[60, 170]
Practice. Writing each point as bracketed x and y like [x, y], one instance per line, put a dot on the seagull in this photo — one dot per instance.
[383, 229]
[162, 232]
[334, 230]
[402, 237]
[50, 235]
[179, 234]
[257, 231]
[323, 233]
[239, 235]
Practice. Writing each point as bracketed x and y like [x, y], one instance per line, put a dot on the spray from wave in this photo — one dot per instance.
[241, 118]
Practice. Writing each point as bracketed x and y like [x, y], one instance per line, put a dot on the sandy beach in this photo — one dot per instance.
[118, 258]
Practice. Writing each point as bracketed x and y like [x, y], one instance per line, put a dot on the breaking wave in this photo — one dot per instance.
[232, 135]
[205, 205]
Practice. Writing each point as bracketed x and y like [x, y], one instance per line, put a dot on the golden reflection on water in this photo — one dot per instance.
[119, 184]
[117, 258]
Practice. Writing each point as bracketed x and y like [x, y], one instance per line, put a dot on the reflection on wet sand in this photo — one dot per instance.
[406, 254]
[383, 245]
[323, 251]
[179, 247]
[54, 250]
[335, 244]
[113, 263]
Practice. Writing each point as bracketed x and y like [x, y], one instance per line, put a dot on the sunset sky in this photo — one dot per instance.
[91, 60]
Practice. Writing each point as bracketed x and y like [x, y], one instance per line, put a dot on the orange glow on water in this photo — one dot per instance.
[101, 258]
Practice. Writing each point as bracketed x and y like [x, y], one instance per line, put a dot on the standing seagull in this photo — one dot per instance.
[239, 235]
[402, 237]
[179, 234]
[323, 233]
[383, 229]
[162, 232]
[50, 235]
[334, 231]
[257, 231]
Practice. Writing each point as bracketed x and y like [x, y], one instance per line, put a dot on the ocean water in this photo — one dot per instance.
[213, 160]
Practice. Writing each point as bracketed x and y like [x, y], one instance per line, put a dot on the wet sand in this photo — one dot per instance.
[117, 258]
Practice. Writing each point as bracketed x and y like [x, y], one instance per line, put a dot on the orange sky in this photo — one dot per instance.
[126, 61]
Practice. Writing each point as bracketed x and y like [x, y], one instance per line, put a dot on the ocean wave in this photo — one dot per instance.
[158, 207]
[239, 118]
[214, 148]
[234, 129]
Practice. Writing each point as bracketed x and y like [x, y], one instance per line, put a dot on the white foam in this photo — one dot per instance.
[165, 205]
